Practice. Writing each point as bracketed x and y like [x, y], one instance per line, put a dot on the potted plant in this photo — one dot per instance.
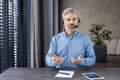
[98, 35]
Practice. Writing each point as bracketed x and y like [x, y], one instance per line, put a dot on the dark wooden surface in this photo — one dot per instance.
[49, 73]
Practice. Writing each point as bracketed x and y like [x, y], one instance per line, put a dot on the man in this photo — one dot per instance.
[70, 48]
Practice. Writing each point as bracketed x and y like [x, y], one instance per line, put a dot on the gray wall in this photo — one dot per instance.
[105, 12]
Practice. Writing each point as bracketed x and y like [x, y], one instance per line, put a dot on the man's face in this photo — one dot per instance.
[71, 20]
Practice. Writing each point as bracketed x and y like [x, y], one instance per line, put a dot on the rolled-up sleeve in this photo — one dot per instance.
[90, 58]
[52, 49]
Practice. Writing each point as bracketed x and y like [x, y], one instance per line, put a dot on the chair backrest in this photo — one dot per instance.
[111, 46]
[118, 48]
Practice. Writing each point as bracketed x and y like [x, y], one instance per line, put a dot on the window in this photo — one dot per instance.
[12, 35]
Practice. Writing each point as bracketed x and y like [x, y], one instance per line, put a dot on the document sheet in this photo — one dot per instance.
[64, 74]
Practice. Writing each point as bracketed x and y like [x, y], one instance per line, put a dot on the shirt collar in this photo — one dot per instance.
[73, 35]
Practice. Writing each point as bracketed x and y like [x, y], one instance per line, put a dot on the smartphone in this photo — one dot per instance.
[92, 75]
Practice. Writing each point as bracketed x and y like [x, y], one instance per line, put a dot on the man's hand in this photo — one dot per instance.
[76, 61]
[56, 59]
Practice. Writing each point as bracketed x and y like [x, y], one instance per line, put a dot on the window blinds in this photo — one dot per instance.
[12, 35]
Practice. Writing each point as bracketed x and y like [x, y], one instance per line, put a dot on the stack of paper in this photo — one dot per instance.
[64, 74]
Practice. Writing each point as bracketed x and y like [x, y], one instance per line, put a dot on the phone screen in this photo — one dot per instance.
[92, 75]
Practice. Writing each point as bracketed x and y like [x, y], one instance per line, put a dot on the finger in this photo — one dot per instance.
[79, 57]
[57, 61]
[77, 61]
[73, 60]
[54, 55]
[54, 59]
[61, 60]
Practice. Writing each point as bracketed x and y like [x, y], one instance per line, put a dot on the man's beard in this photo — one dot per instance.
[69, 29]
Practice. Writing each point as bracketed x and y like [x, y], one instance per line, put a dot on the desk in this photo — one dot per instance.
[49, 73]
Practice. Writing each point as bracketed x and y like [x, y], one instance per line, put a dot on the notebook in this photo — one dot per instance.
[64, 74]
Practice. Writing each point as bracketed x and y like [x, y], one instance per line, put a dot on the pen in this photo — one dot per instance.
[64, 73]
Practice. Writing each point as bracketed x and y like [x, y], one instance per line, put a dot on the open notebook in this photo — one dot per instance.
[64, 74]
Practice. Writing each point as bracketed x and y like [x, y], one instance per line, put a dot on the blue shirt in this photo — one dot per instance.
[71, 46]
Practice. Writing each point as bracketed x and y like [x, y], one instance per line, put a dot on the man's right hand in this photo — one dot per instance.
[56, 59]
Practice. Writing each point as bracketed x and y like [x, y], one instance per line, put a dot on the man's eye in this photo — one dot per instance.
[68, 19]
[74, 19]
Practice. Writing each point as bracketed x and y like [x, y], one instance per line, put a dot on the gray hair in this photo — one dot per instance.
[69, 10]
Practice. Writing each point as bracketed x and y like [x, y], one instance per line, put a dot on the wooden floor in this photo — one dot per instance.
[113, 61]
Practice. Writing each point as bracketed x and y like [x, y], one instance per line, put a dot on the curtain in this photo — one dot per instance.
[43, 26]
[34, 34]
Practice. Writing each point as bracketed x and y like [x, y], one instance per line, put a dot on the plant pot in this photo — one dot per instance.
[101, 53]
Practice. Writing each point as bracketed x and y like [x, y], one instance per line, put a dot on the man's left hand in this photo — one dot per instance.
[76, 61]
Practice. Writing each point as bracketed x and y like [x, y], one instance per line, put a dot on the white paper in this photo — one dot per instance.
[64, 74]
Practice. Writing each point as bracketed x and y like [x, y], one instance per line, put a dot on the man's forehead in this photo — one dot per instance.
[71, 15]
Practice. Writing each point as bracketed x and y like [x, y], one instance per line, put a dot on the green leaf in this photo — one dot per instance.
[98, 34]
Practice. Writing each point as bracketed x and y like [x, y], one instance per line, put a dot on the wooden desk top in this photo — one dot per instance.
[49, 73]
